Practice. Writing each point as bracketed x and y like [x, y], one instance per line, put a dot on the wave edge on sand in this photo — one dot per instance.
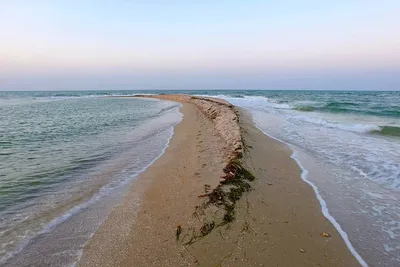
[324, 207]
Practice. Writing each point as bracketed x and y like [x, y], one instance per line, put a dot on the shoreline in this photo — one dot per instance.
[85, 217]
[154, 225]
[324, 207]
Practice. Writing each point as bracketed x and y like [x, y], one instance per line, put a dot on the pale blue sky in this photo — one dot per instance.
[193, 44]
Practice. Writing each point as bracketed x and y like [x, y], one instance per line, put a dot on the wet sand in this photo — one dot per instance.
[277, 223]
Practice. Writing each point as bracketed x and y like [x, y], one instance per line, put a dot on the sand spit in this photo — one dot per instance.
[201, 207]
[221, 113]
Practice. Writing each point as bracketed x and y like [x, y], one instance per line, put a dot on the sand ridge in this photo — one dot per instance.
[221, 113]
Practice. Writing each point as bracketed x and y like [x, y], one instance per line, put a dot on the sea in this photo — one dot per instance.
[65, 160]
[67, 157]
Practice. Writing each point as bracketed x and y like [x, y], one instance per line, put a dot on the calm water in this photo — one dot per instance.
[60, 150]
[60, 154]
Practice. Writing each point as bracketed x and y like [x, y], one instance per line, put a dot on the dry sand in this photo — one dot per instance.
[277, 223]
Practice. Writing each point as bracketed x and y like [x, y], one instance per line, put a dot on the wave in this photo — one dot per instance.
[359, 127]
[387, 130]
[167, 109]
[305, 108]
[349, 107]
[335, 107]
[310, 106]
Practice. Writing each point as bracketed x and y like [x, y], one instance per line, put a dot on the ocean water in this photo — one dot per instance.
[64, 155]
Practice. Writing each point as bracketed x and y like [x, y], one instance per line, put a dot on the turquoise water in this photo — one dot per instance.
[59, 153]
[60, 150]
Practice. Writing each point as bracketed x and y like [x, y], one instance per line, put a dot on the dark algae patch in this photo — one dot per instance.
[207, 228]
[236, 182]
[231, 189]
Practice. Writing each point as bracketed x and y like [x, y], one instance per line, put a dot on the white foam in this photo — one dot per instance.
[265, 103]
[358, 127]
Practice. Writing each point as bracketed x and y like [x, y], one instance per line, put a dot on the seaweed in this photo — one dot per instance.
[207, 228]
[230, 190]
[229, 214]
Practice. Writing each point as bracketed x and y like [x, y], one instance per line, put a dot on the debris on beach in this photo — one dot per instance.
[178, 232]
[324, 234]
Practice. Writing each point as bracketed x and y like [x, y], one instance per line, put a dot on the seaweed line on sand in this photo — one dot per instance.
[221, 201]
[235, 183]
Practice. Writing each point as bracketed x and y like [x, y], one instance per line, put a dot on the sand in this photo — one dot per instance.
[277, 223]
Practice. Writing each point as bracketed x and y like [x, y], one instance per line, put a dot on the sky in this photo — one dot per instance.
[199, 44]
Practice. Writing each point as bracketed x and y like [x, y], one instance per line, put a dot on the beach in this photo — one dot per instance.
[199, 133]
[169, 216]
